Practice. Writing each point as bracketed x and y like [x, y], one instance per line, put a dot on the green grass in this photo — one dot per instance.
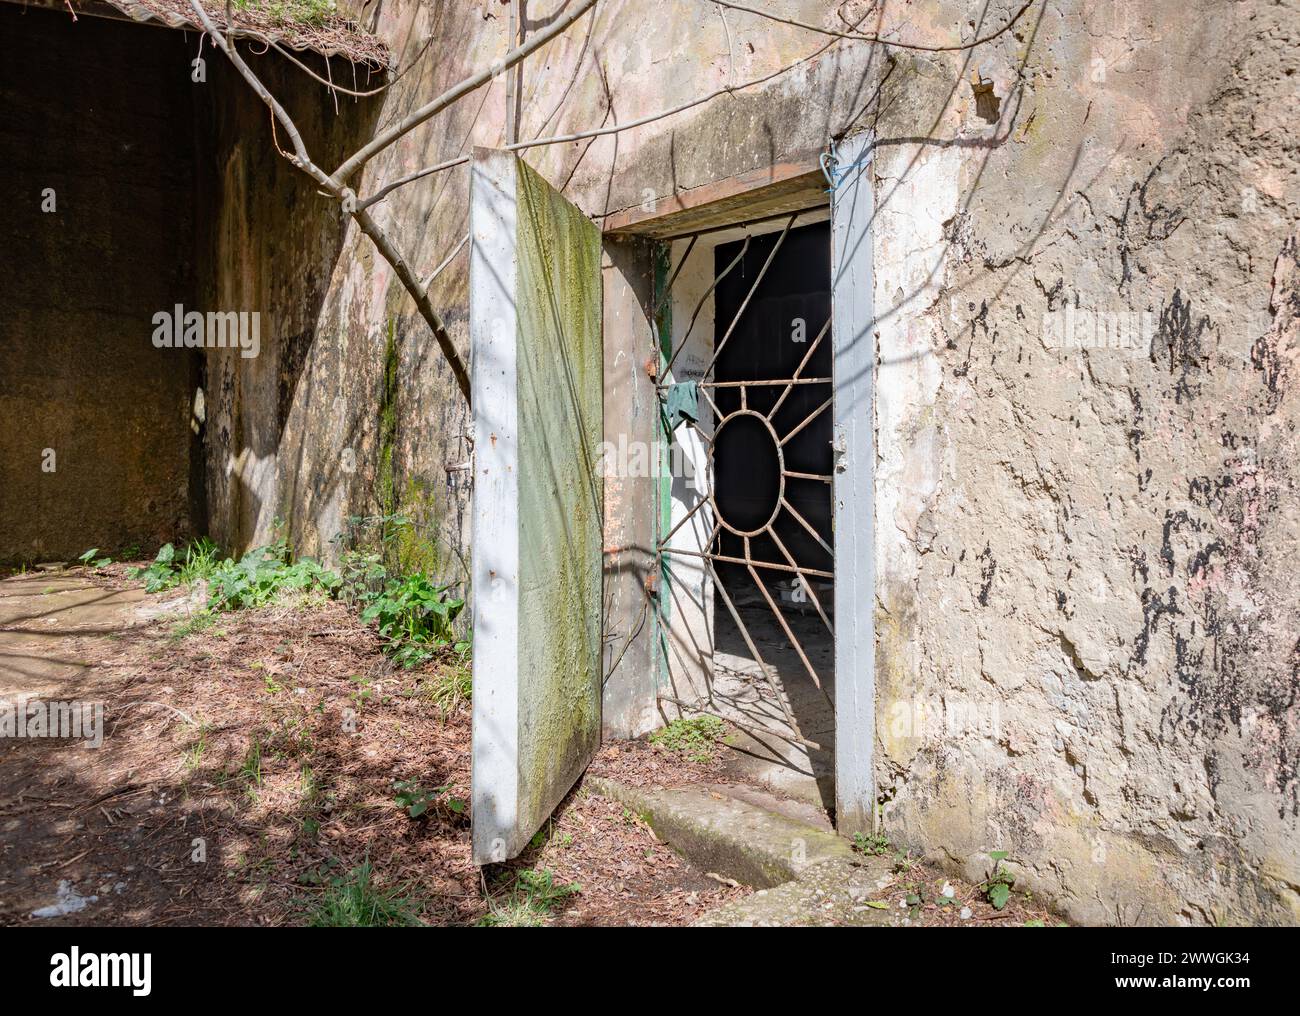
[194, 753]
[450, 688]
[251, 770]
[309, 787]
[354, 901]
[529, 900]
[694, 738]
[192, 625]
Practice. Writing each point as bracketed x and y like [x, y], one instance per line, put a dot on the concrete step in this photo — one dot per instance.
[728, 836]
[805, 875]
[834, 893]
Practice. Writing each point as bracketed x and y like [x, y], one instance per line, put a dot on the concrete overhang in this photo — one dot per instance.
[759, 195]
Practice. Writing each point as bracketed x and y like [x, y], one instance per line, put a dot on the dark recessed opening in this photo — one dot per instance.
[770, 340]
[748, 473]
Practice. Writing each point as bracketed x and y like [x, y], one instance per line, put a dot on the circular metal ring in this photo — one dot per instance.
[780, 472]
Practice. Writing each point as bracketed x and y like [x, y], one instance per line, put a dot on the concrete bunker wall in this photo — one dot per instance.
[1085, 557]
[96, 448]
[1072, 541]
[1086, 433]
[303, 434]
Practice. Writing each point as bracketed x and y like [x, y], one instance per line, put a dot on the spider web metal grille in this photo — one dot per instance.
[760, 569]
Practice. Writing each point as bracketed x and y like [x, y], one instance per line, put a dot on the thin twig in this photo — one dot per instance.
[858, 37]
[458, 91]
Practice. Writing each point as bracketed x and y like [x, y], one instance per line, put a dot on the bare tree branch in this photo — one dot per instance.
[445, 262]
[302, 160]
[458, 91]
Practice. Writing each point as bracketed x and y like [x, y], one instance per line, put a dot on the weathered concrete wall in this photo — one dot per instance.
[1083, 553]
[1087, 608]
[292, 436]
[95, 442]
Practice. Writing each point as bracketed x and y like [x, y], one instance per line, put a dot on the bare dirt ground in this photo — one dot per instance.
[249, 763]
[247, 772]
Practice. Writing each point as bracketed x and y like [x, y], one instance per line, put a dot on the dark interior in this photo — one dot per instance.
[764, 345]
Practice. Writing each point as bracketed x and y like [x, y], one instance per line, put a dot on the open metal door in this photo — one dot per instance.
[536, 374]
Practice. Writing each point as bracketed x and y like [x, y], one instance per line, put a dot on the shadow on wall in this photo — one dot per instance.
[297, 431]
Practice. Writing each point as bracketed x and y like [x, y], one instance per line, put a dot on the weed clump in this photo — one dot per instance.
[354, 901]
[529, 901]
[695, 738]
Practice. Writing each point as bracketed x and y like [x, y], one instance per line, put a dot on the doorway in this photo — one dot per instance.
[749, 549]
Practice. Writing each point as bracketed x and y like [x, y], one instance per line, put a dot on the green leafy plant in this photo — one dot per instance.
[693, 737]
[354, 901]
[875, 844]
[363, 692]
[167, 570]
[417, 800]
[261, 575]
[415, 618]
[161, 574]
[371, 545]
[997, 887]
[91, 559]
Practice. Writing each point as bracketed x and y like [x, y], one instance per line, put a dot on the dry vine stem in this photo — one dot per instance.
[336, 183]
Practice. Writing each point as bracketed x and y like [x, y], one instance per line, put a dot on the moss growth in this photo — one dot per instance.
[386, 475]
[417, 547]
[291, 12]
[559, 393]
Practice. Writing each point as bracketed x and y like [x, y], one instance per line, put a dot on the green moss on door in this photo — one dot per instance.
[560, 404]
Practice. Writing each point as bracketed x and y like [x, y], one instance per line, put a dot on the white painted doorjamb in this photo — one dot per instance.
[853, 490]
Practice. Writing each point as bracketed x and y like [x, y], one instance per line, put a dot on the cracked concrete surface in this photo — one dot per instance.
[1086, 546]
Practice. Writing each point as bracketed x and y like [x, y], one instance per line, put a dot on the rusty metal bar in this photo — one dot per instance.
[809, 419]
[717, 351]
[811, 531]
[700, 504]
[789, 634]
[796, 379]
[700, 306]
[672, 279]
[725, 559]
[809, 476]
[806, 584]
[761, 384]
[749, 642]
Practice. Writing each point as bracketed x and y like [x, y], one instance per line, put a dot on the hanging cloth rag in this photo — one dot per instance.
[683, 403]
